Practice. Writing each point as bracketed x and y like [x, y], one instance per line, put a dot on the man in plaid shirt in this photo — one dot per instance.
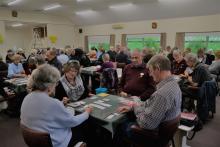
[163, 105]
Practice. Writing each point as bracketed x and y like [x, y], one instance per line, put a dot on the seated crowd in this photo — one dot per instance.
[55, 79]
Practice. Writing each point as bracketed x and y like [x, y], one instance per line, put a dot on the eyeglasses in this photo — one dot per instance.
[135, 57]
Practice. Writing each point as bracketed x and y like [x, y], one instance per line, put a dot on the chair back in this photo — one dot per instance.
[157, 138]
[120, 65]
[167, 130]
[35, 138]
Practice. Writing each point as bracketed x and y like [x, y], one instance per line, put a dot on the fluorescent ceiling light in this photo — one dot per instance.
[121, 6]
[54, 6]
[84, 12]
[14, 2]
[81, 0]
[17, 25]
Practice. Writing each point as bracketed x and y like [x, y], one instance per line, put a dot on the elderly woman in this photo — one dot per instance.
[71, 84]
[15, 69]
[43, 113]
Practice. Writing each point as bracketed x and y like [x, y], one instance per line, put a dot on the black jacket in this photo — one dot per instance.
[56, 63]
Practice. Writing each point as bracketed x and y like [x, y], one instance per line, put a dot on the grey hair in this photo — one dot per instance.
[42, 77]
[161, 62]
[40, 60]
[191, 57]
[105, 57]
[179, 52]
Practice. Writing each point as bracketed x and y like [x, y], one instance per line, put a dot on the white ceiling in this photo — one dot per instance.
[102, 14]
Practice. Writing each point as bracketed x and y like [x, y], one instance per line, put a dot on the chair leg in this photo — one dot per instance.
[173, 143]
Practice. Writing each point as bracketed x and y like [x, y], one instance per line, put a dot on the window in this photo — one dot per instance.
[97, 41]
[143, 41]
[209, 40]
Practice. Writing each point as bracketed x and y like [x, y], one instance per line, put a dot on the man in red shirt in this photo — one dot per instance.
[136, 80]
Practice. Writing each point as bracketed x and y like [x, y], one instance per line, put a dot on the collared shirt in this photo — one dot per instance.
[163, 105]
[63, 58]
[14, 69]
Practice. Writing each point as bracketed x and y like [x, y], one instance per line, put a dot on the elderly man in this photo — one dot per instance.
[199, 75]
[112, 53]
[52, 59]
[179, 63]
[121, 57]
[136, 80]
[163, 105]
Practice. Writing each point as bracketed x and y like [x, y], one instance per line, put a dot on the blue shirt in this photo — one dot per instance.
[43, 113]
[14, 69]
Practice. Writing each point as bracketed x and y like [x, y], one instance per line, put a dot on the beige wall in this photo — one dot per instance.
[2, 32]
[19, 38]
[64, 34]
[62, 27]
[170, 26]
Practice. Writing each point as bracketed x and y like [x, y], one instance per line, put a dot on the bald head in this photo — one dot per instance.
[136, 57]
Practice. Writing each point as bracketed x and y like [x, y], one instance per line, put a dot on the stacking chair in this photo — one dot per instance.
[120, 65]
[35, 138]
[156, 138]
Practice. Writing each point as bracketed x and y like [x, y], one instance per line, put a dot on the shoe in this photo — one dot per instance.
[80, 144]
[83, 145]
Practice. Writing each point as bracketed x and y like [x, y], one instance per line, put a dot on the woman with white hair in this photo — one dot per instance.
[106, 62]
[43, 113]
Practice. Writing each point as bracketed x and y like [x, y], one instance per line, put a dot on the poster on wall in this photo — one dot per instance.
[53, 39]
[1, 39]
